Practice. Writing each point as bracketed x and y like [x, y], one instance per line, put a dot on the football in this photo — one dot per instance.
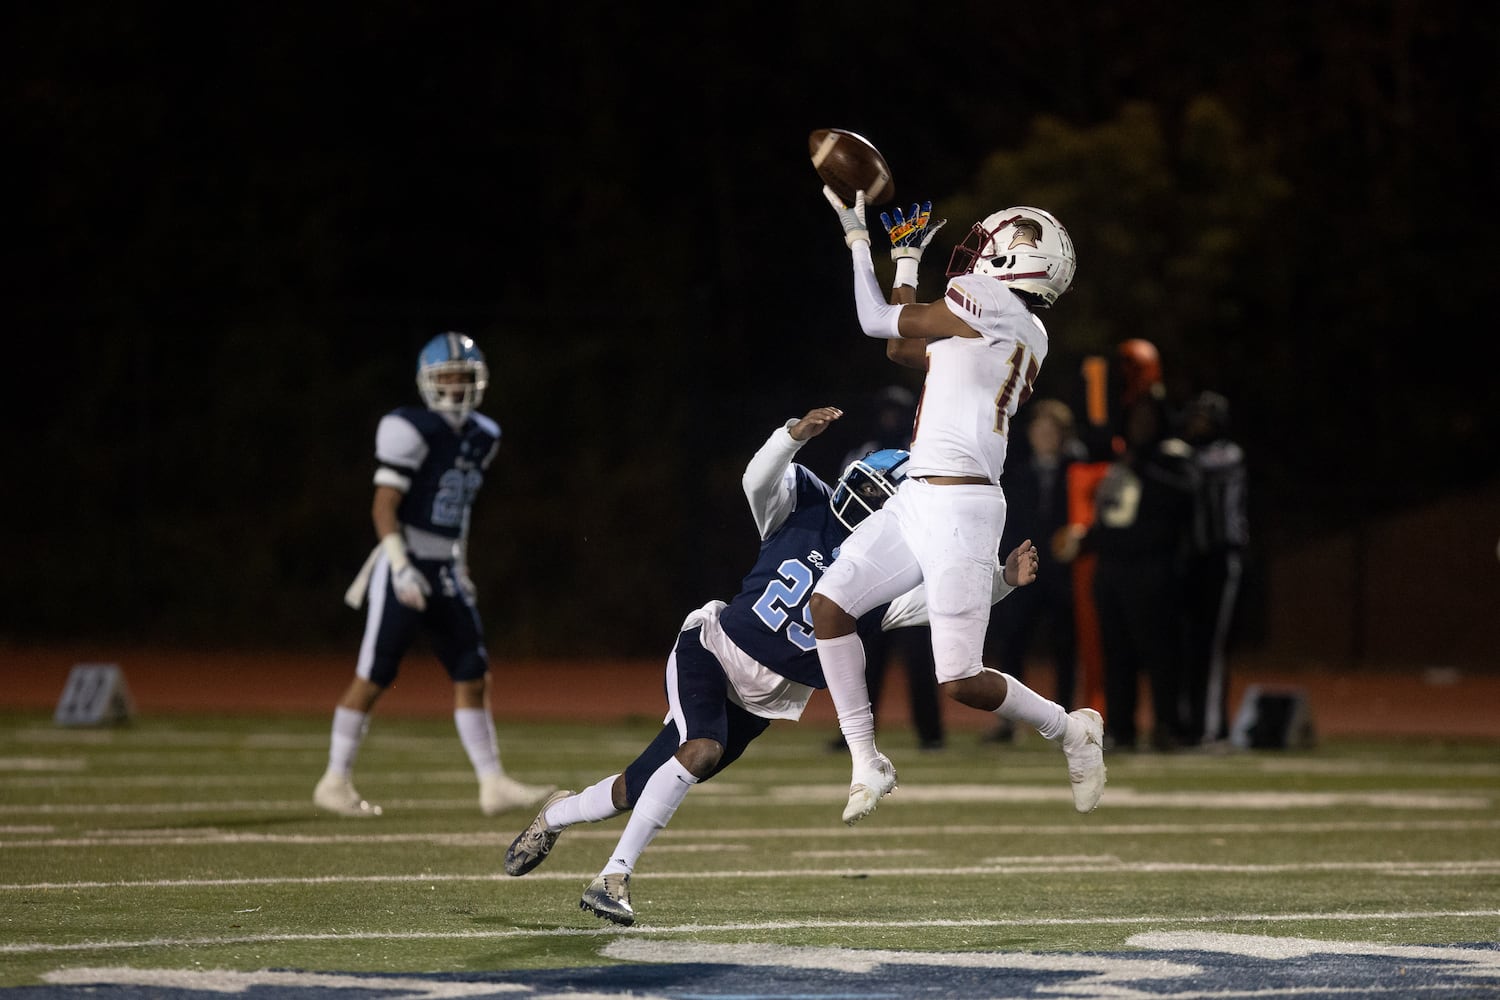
[848, 162]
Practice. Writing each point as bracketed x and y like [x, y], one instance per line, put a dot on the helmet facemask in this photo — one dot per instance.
[452, 376]
[1026, 249]
[867, 484]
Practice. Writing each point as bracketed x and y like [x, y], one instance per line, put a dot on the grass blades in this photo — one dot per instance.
[191, 843]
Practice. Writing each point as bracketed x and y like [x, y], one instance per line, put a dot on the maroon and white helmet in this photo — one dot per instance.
[1024, 248]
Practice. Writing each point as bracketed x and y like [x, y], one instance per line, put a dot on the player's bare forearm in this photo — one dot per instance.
[383, 510]
[907, 353]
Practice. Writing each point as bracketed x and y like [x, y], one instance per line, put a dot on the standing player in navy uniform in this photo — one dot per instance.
[737, 666]
[431, 462]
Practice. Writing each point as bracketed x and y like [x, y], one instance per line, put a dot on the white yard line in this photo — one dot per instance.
[209, 836]
[1116, 797]
[697, 930]
[1103, 864]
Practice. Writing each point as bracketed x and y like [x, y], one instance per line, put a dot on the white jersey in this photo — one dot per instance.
[974, 385]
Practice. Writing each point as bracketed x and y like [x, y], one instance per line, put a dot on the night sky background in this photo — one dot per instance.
[231, 227]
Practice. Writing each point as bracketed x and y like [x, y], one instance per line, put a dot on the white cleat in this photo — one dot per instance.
[608, 896]
[499, 793]
[335, 793]
[533, 844]
[871, 783]
[1083, 745]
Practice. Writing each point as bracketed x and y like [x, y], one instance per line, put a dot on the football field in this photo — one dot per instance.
[180, 856]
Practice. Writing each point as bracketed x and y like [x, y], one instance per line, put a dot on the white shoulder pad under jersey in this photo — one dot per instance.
[975, 384]
[398, 446]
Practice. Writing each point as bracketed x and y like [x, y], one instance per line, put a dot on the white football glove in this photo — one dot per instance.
[465, 582]
[407, 581]
[852, 219]
[411, 587]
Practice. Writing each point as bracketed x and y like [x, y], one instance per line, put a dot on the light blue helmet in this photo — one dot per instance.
[867, 484]
[452, 375]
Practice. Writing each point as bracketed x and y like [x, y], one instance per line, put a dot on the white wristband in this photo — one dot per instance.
[395, 550]
[906, 271]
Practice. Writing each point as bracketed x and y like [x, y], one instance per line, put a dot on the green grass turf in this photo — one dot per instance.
[191, 843]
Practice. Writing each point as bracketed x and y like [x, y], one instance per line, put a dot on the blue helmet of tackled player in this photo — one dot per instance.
[867, 484]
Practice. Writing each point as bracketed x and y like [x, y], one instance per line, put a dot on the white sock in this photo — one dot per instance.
[1022, 704]
[349, 728]
[660, 798]
[477, 731]
[594, 803]
[843, 662]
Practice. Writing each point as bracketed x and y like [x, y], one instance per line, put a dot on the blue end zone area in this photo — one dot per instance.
[1186, 964]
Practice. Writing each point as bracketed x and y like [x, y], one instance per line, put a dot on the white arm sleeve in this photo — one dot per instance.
[876, 316]
[770, 483]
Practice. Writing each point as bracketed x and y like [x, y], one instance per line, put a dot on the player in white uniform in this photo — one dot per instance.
[738, 665]
[982, 347]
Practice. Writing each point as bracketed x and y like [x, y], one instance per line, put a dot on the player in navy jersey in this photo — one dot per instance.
[430, 464]
[736, 666]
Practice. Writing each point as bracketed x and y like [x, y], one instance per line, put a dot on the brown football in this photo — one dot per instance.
[848, 162]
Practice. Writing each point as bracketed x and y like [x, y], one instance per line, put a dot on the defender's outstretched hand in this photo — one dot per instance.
[852, 219]
[1021, 564]
[910, 236]
[815, 423]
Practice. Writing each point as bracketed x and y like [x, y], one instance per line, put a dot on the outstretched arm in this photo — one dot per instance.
[877, 317]
[768, 487]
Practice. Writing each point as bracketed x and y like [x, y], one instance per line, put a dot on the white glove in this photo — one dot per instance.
[411, 587]
[465, 582]
[407, 581]
[852, 219]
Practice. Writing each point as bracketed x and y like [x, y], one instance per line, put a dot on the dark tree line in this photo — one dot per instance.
[233, 228]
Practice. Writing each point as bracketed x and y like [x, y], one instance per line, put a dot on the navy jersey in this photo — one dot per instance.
[439, 469]
[769, 618]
